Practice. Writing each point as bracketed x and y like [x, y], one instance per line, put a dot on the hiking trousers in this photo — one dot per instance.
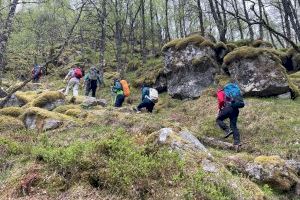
[146, 103]
[119, 100]
[91, 85]
[73, 83]
[232, 114]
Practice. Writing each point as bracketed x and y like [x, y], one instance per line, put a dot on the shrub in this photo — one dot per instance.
[203, 186]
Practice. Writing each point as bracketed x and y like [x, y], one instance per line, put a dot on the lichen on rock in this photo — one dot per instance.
[258, 72]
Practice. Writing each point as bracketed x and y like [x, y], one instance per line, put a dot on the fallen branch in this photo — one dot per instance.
[6, 99]
[216, 143]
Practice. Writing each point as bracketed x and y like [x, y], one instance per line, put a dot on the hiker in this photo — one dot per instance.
[36, 73]
[121, 88]
[117, 88]
[92, 80]
[73, 79]
[229, 102]
[149, 98]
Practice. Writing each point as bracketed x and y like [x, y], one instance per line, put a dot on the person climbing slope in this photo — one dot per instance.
[229, 102]
[118, 90]
[149, 98]
[92, 80]
[36, 73]
[73, 79]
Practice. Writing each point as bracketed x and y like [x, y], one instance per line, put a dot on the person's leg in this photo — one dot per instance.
[69, 85]
[119, 100]
[224, 114]
[142, 105]
[150, 106]
[75, 88]
[94, 87]
[87, 88]
[233, 126]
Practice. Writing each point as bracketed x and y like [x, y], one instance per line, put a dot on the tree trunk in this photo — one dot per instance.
[221, 25]
[261, 30]
[144, 32]
[200, 16]
[251, 32]
[102, 41]
[152, 28]
[168, 37]
[288, 11]
[4, 36]
[238, 19]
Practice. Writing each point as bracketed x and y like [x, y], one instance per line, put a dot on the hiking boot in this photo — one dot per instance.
[237, 147]
[136, 110]
[228, 133]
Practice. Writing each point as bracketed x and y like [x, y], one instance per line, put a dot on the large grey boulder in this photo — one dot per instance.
[190, 66]
[43, 120]
[161, 83]
[14, 102]
[181, 141]
[257, 71]
[92, 101]
[278, 173]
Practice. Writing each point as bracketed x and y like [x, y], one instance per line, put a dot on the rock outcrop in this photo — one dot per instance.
[278, 173]
[92, 101]
[257, 71]
[49, 100]
[44, 120]
[190, 66]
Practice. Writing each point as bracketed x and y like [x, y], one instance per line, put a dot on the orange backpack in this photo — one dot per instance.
[125, 87]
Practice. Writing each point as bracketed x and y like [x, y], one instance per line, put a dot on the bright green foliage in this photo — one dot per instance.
[202, 187]
[10, 147]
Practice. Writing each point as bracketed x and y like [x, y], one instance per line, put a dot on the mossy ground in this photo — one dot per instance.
[108, 156]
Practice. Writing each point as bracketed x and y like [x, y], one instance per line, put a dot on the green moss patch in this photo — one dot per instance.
[249, 53]
[220, 45]
[26, 97]
[170, 44]
[259, 43]
[8, 123]
[44, 114]
[62, 109]
[11, 111]
[47, 97]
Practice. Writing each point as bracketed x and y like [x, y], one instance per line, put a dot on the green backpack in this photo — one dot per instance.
[93, 75]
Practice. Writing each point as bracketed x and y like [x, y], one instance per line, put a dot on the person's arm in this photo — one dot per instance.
[68, 75]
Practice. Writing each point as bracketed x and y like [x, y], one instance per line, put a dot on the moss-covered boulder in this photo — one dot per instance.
[11, 111]
[8, 123]
[190, 65]
[49, 100]
[280, 174]
[258, 71]
[274, 171]
[183, 142]
[43, 120]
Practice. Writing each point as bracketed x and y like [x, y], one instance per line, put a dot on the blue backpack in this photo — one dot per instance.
[233, 95]
[118, 85]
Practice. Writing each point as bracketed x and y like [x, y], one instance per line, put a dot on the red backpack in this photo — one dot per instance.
[78, 73]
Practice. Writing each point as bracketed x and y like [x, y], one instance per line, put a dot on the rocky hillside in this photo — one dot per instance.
[56, 147]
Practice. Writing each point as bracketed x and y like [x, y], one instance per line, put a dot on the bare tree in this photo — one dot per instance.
[5, 34]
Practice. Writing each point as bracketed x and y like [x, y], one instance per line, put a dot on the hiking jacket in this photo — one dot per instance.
[221, 99]
[117, 88]
[70, 74]
[86, 78]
